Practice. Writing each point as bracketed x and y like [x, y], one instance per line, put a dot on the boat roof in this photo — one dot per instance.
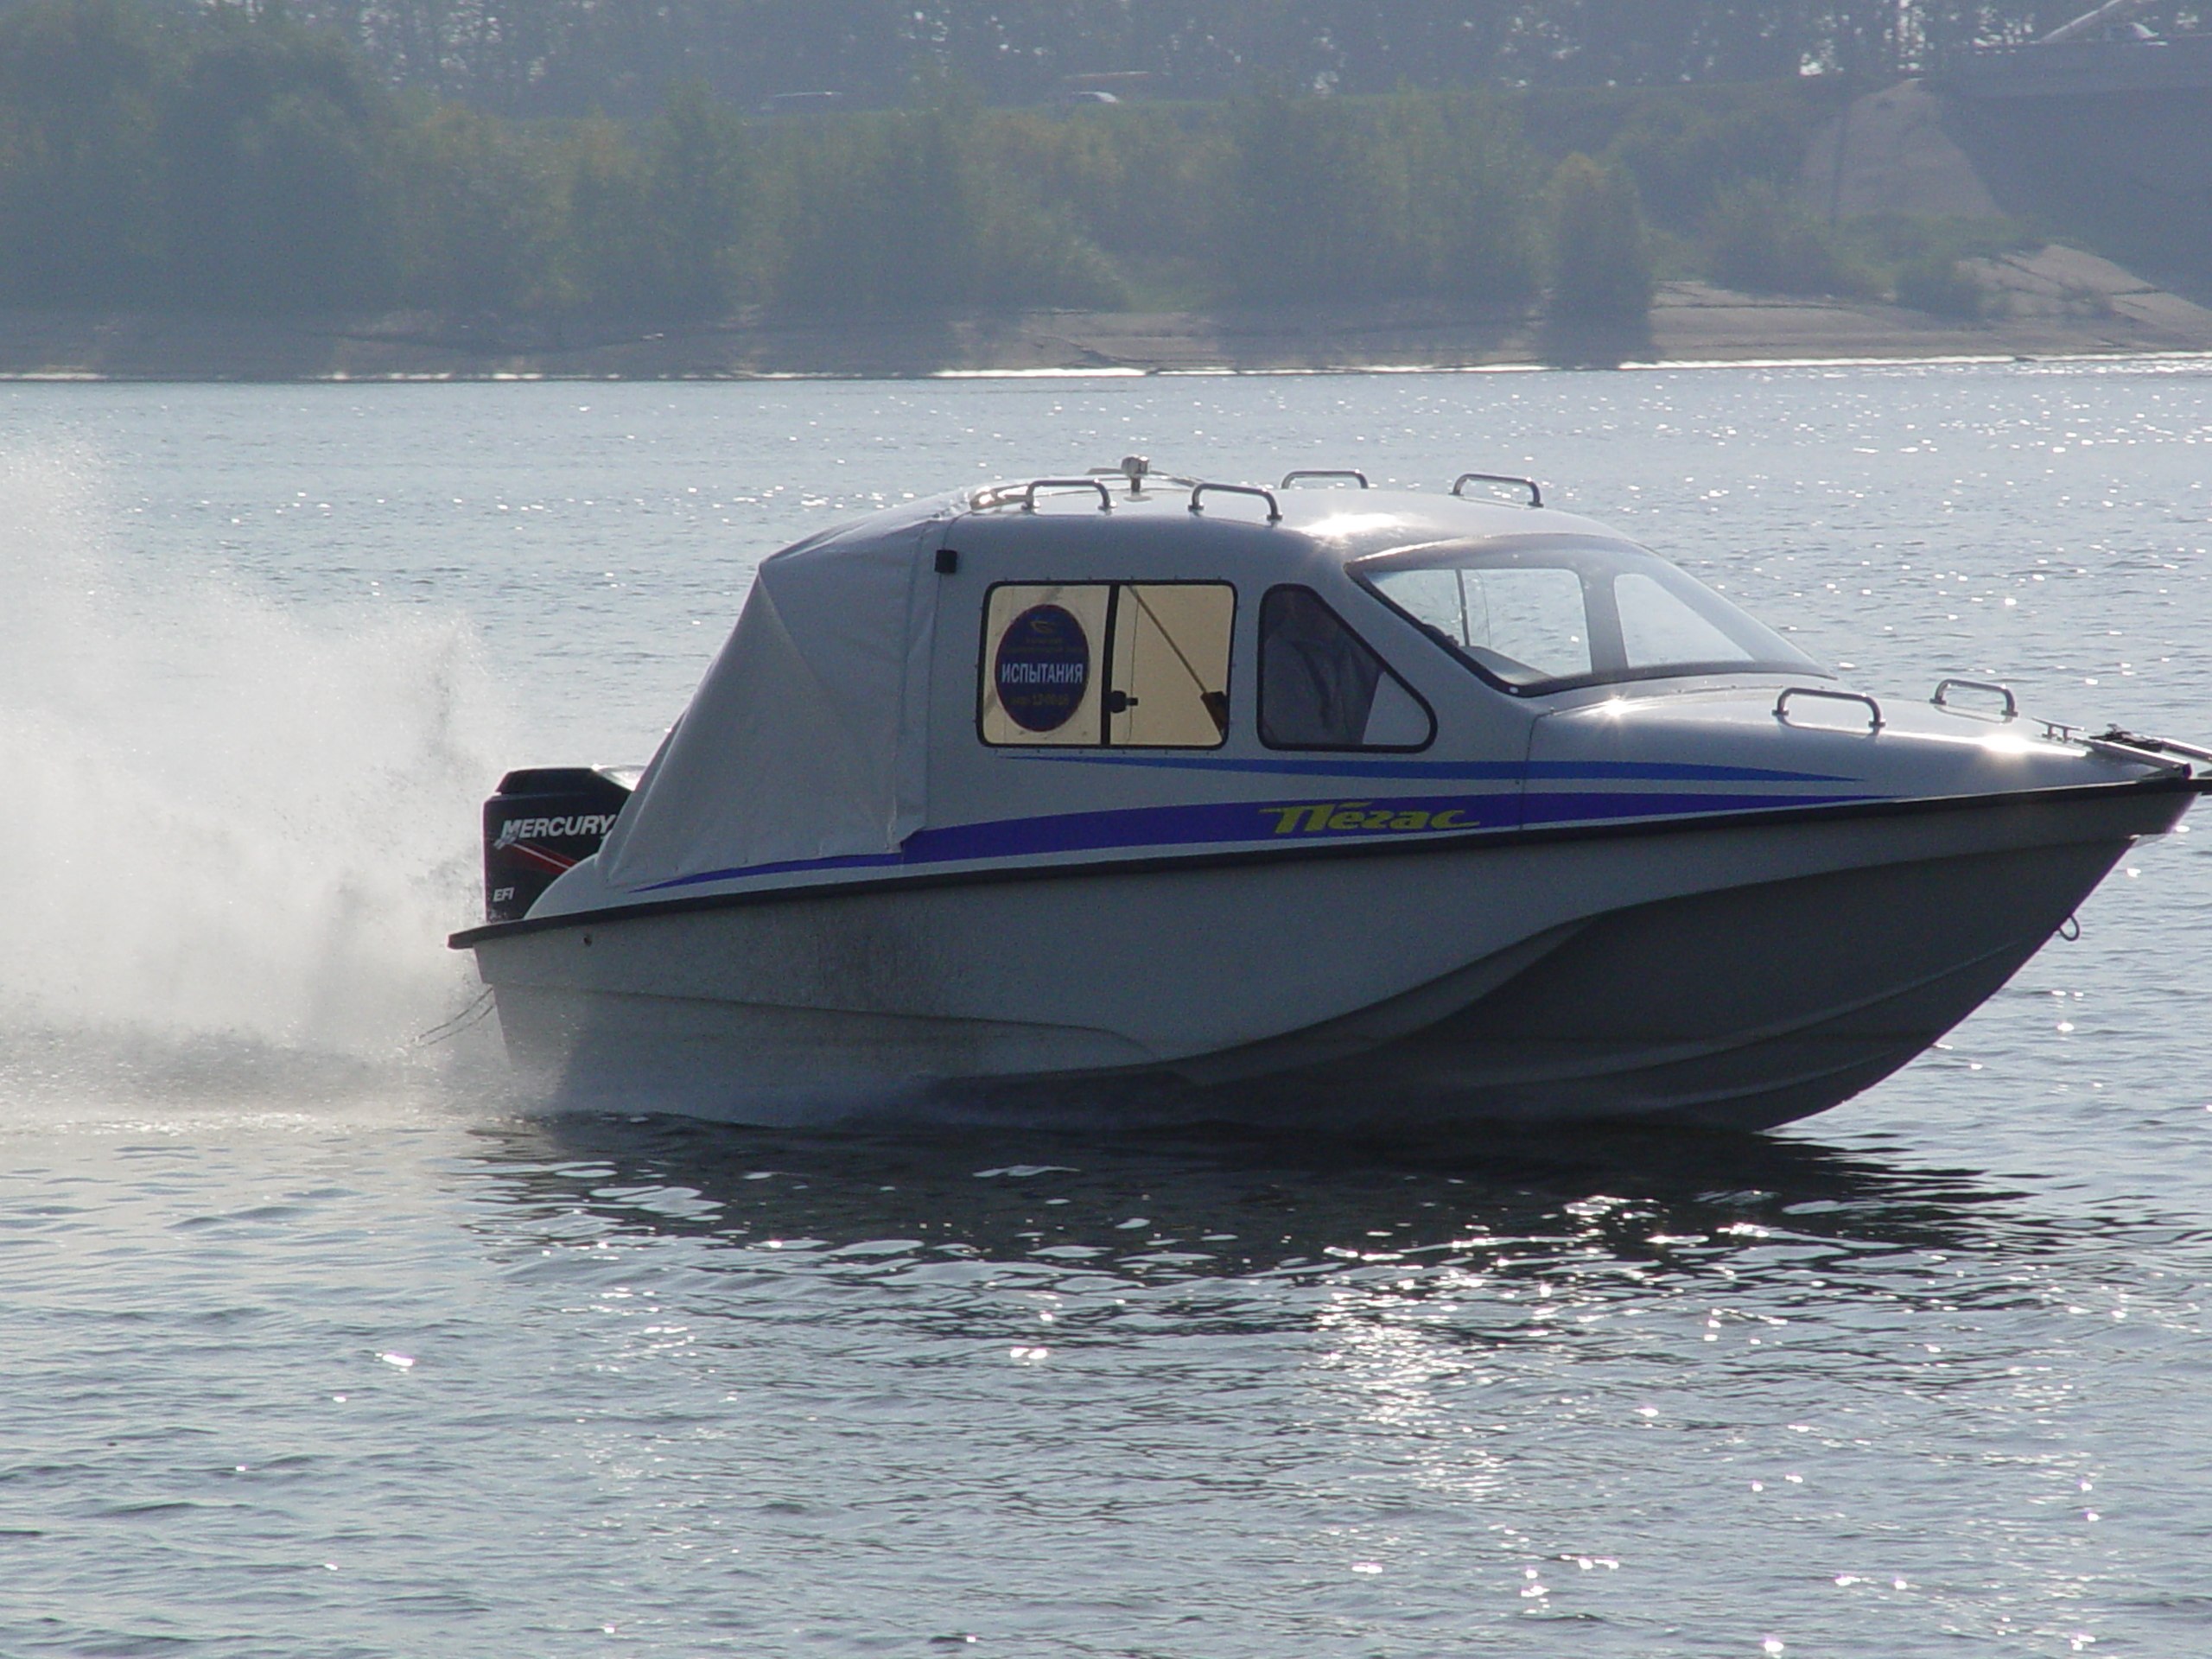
[1347, 521]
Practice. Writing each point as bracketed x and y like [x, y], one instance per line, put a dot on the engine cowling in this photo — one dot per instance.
[542, 821]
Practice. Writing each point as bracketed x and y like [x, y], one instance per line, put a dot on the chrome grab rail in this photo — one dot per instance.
[2011, 703]
[1289, 478]
[1535, 490]
[1274, 512]
[1029, 495]
[1874, 709]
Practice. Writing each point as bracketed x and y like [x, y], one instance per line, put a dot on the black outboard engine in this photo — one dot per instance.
[543, 820]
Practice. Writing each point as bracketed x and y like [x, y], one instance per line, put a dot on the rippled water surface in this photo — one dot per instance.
[317, 1342]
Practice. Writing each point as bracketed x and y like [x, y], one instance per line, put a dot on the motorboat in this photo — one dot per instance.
[1311, 806]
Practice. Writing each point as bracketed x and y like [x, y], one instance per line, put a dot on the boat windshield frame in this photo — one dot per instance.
[1597, 560]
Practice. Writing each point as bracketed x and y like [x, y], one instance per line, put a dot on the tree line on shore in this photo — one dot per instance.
[571, 57]
[226, 161]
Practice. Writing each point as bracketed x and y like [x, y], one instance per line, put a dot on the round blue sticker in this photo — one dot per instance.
[1042, 668]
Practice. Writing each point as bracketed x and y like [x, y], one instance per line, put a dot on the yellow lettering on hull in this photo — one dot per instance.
[1339, 817]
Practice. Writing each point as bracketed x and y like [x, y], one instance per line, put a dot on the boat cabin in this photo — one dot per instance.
[1130, 667]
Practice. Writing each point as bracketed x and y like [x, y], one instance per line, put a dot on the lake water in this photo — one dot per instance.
[316, 1343]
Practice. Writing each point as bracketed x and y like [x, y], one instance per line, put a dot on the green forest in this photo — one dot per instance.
[273, 161]
[578, 57]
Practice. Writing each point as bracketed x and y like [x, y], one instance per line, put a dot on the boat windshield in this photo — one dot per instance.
[1549, 612]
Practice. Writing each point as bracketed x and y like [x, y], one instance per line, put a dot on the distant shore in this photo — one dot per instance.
[2059, 303]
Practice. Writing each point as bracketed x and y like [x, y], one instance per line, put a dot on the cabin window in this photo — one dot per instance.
[1126, 665]
[1657, 627]
[1544, 613]
[1514, 620]
[1322, 687]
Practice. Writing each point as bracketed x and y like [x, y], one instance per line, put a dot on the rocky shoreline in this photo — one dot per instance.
[2055, 302]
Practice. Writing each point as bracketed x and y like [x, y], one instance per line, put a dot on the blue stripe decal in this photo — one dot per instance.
[1174, 829]
[791, 867]
[1594, 771]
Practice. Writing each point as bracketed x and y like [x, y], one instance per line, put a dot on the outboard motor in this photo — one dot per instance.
[542, 821]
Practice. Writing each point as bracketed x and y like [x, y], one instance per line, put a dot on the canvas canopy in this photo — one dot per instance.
[808, 739]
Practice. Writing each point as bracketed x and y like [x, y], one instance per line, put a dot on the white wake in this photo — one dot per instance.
[241, 831]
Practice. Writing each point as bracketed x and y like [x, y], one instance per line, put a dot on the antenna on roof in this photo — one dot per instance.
[1135, 469]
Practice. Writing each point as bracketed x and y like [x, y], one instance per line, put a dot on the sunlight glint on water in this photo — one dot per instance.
[1923, 1375]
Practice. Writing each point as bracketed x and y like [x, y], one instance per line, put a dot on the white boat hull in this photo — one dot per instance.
[1739, 972]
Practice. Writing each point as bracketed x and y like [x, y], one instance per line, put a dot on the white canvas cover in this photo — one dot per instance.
[808, 739]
